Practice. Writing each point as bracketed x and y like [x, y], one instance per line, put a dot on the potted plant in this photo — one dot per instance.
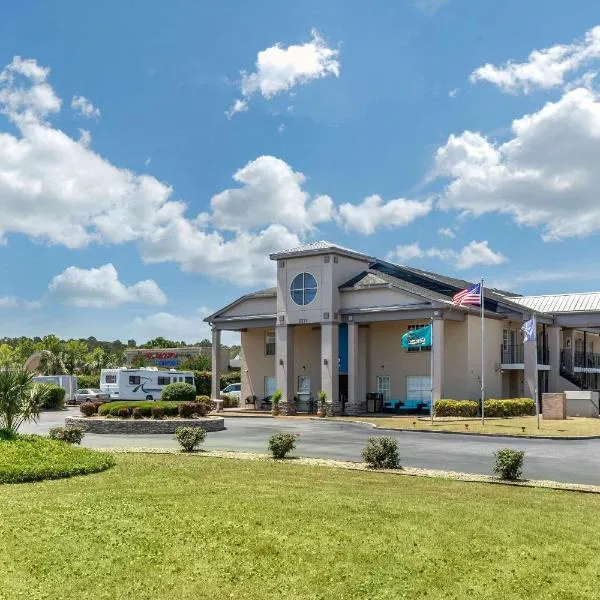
[275, 399]
[322, 404]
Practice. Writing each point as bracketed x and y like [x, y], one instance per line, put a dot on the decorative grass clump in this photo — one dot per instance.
[34, 458]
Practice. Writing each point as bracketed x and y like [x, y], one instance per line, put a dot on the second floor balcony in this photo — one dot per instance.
[514, 354]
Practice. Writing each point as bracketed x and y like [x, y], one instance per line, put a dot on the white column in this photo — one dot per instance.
[215, 383]
[352, 407]
[438, 358]
[284, 366]
[554, 349]
[329, 365]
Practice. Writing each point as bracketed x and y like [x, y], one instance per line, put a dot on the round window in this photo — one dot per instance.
[303, 289]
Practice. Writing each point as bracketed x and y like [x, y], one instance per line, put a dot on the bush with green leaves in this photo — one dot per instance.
[136, 412]
[511, 407]
[381, 453]
[509, 463]
[456, 408]
[276, 398]
[190, 437]
[188, 409]
[112, 408]
[34, 458]
[281, 444]
[230, 401]
[178, 392]
[54, 397]
[88, 381]
[70, 434]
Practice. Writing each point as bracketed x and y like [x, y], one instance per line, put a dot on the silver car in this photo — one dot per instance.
[91, 395]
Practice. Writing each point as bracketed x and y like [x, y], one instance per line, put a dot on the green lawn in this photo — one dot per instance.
[177, 526]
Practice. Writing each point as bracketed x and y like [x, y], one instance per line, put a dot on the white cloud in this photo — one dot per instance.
[453, 93]
[544, 69]
[447, 231]
[84, 107]
[101, 288]
[280, 68]
[429, 7]
[271, 192]
[32, 304]
[478, 253]
[8, 302]
[373, 213]
[186, 328]
[281, 128]
[547, 175]
[474, 253]
[148, 161]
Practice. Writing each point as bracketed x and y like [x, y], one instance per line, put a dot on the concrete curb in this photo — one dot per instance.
[354, 466]
[555, 438]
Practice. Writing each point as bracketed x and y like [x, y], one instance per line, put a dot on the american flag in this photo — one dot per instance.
[470, 296]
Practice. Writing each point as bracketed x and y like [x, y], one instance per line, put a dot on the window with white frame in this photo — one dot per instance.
[270, 386]
[269, 343]
[418, 388]
[424, 348]
[383, 387]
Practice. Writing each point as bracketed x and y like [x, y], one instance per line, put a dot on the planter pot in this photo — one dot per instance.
[321, 412]
[275, 411]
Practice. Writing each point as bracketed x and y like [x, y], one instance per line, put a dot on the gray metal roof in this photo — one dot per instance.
[321, 247]
[561, 303]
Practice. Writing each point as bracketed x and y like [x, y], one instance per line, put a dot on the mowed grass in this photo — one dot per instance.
[179, 527]
[573, 426]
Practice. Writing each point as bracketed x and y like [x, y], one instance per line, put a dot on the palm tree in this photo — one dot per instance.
[20, 399]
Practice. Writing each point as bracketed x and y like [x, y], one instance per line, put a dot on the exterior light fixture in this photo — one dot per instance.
[325, 361]
[281, 361]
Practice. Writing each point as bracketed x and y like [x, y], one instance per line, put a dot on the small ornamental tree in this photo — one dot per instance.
[281, 444]
[190, 437]
[381, 453]
[509, 463]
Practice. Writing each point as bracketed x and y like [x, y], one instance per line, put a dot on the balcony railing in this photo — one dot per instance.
[514, 354]
[587, 360]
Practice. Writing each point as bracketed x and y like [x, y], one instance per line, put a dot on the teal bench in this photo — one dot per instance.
[406, 406]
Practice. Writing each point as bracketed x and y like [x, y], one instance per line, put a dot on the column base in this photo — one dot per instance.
[353, 410]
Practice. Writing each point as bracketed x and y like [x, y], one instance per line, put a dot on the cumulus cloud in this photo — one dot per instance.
[101, 288]
[280, 68]
[474, 253]
[447, 231]
[84, 107]
[544, 69]
[546, 175]
[373, 213]
[8, 302]
[429, 7]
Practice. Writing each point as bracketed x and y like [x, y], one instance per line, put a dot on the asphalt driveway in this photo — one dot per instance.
[576, 461]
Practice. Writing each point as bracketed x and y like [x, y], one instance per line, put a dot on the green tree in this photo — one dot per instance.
[161, 342]
[198, 363]
[74, 353]
[20, 399]
[97, 359]
[8, 357]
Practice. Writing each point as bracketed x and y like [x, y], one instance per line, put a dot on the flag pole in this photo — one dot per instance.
[481, 302]
[431, 373]
[535, 385]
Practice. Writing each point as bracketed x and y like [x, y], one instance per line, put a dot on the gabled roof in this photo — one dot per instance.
[561, 303]
[266, 293]
[321, 247]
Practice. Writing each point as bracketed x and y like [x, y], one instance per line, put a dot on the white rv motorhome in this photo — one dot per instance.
[140, 384]
[67, 382]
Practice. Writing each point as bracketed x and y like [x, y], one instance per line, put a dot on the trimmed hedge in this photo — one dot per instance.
[456, 408]
[34, 458]
[512, 407]
[230, 401]
[55, 396]
[112, 408]
[178, 392]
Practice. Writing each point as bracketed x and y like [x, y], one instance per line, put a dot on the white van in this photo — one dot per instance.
[140, 384]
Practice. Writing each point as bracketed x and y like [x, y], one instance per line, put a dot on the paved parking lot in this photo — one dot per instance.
[576, 461]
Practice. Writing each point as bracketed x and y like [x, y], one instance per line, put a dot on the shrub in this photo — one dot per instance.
[456, 408]
[111, 408]
[281, 443]
[190, 437]
[187, 409]
[71, 435]
[513, 407]
[381, 453]
[229, 401]
[158, 412]
[509, 463]
[276, 398]
[203, 381]
[88, 409]
[136, 412]
[54, 397]
[123, 412]
[178, 392]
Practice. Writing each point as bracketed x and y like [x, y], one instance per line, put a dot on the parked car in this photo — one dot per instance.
[91, 395]
[234, 390]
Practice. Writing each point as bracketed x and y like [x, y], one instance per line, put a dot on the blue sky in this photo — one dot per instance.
[373, 125]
